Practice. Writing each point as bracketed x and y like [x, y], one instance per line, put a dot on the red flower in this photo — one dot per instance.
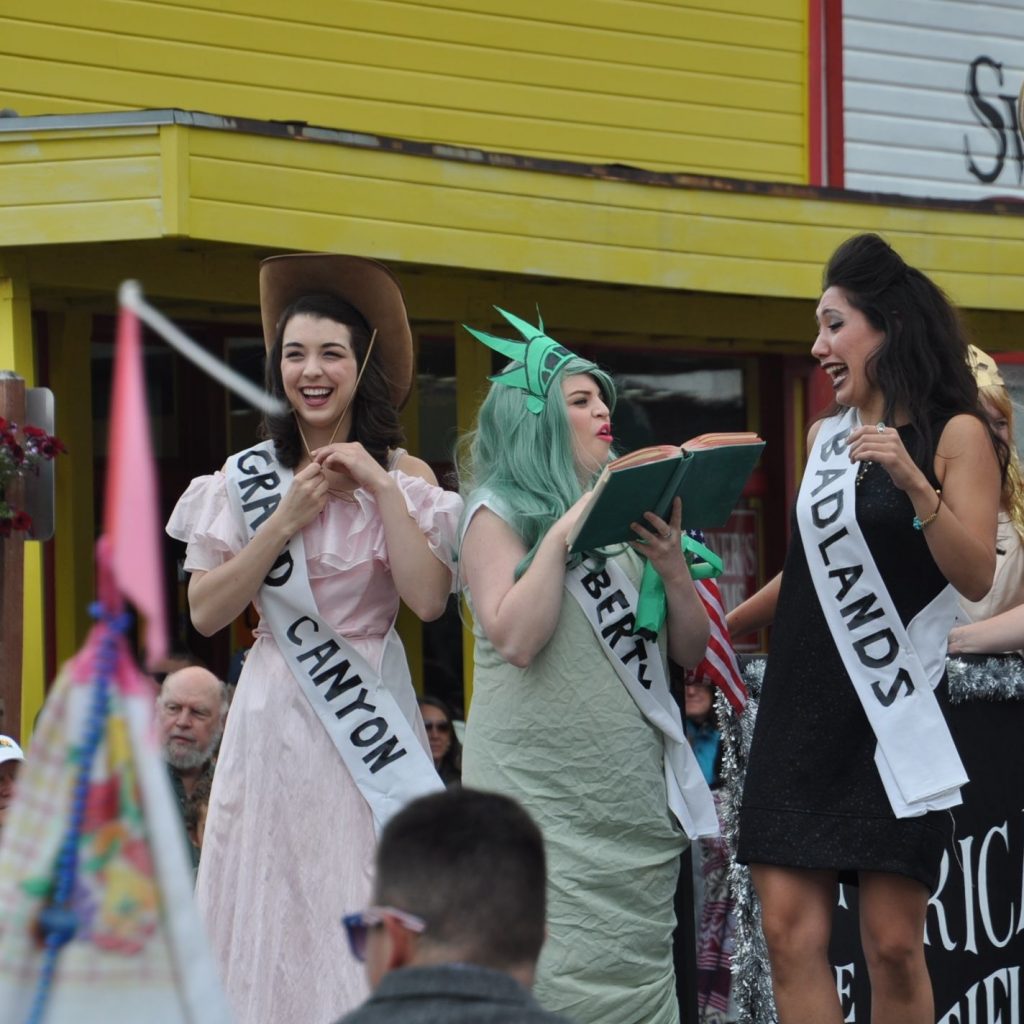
[51, 446]
[17, 461]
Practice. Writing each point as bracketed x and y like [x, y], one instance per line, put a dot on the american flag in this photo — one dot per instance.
[719, 664]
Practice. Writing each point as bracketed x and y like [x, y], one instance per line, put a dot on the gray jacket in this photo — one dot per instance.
[451, 994]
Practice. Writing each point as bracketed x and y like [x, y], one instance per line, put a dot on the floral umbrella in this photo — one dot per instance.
[97, 921]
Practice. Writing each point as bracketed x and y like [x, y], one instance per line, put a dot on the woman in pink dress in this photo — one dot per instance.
[324, 526]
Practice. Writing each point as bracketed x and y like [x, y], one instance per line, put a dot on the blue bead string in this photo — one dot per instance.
[58, 921]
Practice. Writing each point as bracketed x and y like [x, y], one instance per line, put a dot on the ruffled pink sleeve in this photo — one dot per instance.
[202, 518]
[437, 512]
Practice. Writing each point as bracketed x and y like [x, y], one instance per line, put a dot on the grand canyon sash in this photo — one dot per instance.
[351, 699]
[893, 669]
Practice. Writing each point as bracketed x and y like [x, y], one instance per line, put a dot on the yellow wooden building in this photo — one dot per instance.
[647, 171]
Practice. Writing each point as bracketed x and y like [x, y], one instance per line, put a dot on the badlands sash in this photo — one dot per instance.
[352, 701]
[609, 600]
[893, 669]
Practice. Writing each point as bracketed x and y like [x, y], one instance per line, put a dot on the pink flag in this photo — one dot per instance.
[131, 518]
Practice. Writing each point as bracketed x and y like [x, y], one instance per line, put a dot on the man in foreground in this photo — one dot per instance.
[458, 920]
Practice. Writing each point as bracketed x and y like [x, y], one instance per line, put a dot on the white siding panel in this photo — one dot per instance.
[935, 43]
[910, 126]
[946, 109]
[921, 188]
[930, 136]
[929, 168]
[999, 19]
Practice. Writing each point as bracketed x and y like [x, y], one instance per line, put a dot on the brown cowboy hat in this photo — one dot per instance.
[365, 284]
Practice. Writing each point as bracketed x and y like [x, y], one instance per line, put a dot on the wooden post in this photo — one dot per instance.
[12, 578]
[473, 364]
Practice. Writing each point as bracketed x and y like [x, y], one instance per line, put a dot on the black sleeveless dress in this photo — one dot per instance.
[813, 797]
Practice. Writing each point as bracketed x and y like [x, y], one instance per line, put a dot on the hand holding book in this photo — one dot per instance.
[708, 473]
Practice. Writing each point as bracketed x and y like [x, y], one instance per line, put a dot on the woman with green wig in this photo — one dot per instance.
[571, 710]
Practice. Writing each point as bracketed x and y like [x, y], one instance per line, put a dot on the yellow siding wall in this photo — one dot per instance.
[48, 193]
[334, 199]
[666, 85]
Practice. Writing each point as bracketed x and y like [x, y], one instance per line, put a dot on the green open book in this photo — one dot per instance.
[707, 472]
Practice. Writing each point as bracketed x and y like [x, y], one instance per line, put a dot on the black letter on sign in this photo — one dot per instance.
[824, 545]
[861, 612]
[268, 505]
[382, 755]
[377, 726]
[827, 476]
[281, 571]
[847, 577]
[835, 445]
[882, 636]
[902, 679]
[820, 517]
[323, 654]
[595, 582]
[988, 117]
[293, 630]
[264, 481]
[248, 466]
[1010, 102]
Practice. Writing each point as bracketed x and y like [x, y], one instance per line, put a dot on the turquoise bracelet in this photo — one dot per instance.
[920, 524]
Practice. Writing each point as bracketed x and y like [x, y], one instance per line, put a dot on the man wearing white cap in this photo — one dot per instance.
[11, 758]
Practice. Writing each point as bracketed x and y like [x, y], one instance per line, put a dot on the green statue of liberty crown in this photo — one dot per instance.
[539, 358]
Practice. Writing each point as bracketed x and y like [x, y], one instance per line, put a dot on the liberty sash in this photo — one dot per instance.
[893, 669]
[608, 600]
[352, 701]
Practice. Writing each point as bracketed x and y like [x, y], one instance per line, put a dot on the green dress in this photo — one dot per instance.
[565, 738]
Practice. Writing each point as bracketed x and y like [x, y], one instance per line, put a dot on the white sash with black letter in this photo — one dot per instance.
[360, 714]
[608, 599]
[894, 670]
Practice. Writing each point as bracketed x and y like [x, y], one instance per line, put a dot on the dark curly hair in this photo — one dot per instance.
[921, 364]
[375, 422]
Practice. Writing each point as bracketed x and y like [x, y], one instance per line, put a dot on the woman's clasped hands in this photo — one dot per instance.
[304, 500]
[349, 465]
[334, 469]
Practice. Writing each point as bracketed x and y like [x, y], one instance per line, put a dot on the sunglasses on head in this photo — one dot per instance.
[438, 726]
[357, 926]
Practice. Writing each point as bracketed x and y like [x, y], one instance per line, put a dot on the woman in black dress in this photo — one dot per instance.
[852, 768]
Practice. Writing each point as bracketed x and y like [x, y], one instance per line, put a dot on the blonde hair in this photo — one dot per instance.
[998, 397]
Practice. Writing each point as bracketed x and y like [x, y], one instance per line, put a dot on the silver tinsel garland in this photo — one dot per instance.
[985, 677]
[751, 975]
[975, 677]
